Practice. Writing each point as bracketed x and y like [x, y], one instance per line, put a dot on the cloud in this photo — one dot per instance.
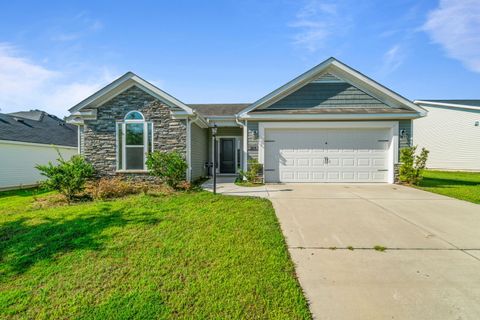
[76, 28]
[315, 22]
[25, 84]
[392, 59]
[455, 25]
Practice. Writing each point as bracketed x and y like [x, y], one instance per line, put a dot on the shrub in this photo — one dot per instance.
[109, 188]
[252, 174]
[170, 167]
[411, 169]
[68, 177]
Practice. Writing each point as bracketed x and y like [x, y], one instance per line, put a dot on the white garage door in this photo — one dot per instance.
[326, 155]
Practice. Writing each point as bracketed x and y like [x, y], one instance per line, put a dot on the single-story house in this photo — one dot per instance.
[451, 133]
[330, 124]
[28, 138]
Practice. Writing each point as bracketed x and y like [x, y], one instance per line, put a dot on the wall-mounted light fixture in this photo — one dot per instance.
[403, 134]
[477, 123]
[255, 134]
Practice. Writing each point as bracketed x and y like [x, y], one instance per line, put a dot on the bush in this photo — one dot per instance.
[253, 172]
[170, 167]
[68, 177]
[109, 188]
[412, 165]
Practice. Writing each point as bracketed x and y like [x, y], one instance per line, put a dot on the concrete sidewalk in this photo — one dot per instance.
[226, 186]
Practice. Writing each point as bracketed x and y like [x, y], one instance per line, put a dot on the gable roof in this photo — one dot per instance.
[219, 109]
[36, 126]
[336, 70]
[123, 83]
[461, 104]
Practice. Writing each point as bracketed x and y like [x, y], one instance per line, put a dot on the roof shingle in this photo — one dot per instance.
[37, 126]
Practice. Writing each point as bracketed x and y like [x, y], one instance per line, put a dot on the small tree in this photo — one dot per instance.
[411, 169]
[252, 174]
[68, 176]
[170, 167]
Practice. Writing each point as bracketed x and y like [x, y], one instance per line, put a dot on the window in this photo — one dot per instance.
[134, 141]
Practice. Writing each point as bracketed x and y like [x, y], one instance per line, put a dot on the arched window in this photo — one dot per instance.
[134, 141]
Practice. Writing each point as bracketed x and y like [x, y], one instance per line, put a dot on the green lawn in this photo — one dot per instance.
[460, 185]
[187, 255]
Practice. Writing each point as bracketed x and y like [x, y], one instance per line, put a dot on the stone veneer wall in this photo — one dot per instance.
[100, 135]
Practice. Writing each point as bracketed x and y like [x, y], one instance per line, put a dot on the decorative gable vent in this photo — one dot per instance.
[327, 77]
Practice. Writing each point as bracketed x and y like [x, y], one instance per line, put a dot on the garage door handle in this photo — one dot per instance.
[269, 169]
[382, 170]
[269, 140]
[383, 140]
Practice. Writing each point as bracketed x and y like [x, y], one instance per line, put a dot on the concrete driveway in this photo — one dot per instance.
[430, 270]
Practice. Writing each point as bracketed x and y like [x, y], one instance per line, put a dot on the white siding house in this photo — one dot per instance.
[451, 132]
[30, 138]
[18, 161]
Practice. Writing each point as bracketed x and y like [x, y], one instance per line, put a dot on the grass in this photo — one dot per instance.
[248, 184]
[460, 185]
[187, 255]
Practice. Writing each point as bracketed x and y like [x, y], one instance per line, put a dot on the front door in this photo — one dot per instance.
[227, 155]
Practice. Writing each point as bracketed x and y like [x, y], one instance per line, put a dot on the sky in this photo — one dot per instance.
[53, 54]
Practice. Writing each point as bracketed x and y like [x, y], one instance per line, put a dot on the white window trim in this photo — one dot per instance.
[123, 124]
[392, 125]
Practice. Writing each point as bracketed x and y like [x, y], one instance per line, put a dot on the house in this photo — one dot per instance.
[28, 138]
[451, 133]
[330, 124]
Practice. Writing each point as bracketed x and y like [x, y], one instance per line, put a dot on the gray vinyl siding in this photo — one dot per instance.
[405, 125]
[327, 95]
[199, 151]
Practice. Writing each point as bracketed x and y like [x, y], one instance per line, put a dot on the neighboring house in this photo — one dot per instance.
[330, 124]
[451, 133]
[28, 138]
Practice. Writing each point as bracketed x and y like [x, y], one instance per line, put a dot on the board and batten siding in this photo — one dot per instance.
[451, 136]
[199, 151]
[18, 161]
[327, 95]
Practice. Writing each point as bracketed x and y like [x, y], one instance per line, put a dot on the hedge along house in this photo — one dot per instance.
[330, 124]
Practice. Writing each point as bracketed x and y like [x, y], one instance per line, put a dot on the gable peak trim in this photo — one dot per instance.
[343, 72]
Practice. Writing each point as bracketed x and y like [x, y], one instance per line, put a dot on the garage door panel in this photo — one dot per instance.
[354, 155]
[380, 176]
[363, 162]
[303, 162]
[379, 162]
[348, 162]
[348, 175]
[363, 176]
